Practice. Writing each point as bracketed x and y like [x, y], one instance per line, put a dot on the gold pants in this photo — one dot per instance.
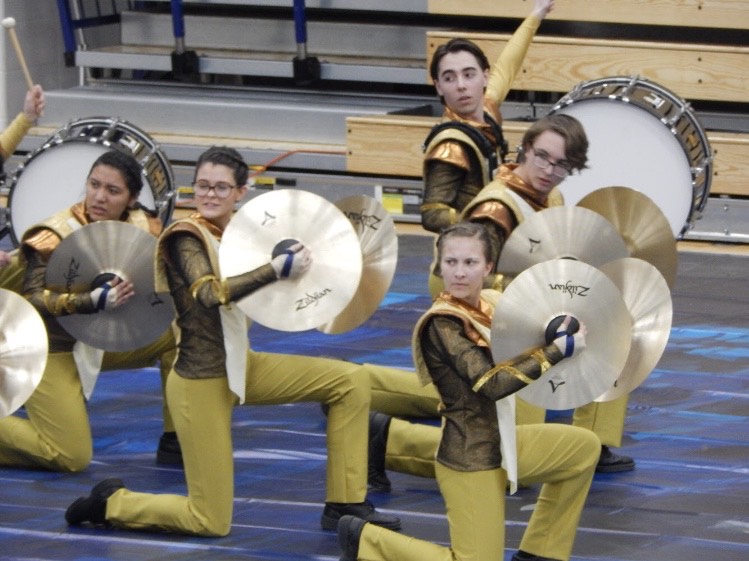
[11, 276]
[399, 393]
[560, 456]
[202, 408]
[606, 419]
[57, 434]
[411, 447]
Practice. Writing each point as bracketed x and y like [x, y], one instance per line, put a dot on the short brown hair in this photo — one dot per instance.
[569, 128]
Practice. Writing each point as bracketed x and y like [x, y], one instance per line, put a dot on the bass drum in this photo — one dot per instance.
[53, 177]
[644, 137]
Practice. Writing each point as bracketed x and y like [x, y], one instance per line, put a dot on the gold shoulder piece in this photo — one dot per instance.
[44, 242]
[451, 152]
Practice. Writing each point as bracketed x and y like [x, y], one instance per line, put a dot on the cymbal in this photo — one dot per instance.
[325, 290]
[555, 288]
[111, 247]
[645, 229]
[648, 300]
[23, 351]
[565, 232]
[379, 246]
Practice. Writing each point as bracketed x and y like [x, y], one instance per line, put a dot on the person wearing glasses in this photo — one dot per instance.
[551, 149]
[215, 370]
[55, 433]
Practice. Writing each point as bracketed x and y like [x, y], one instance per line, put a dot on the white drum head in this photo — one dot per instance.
[54, 179]
[630, 146]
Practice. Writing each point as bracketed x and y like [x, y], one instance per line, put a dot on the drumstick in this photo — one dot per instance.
[10, 25]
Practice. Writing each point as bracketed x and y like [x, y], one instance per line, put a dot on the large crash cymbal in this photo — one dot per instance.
[562, 232]
[641, 223]
[23, 351]
[325, 290]
[100, 249]
[379, 246]
[648, 300]
[547, 291]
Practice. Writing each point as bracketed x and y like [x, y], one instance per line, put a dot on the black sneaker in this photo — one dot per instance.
[366, 511]
[377, 479]
[169, 452]
[613, 463]
[525, 556]
[94, 507]
[349, 534]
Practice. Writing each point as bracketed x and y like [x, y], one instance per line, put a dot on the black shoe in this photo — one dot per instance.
[525, 556]
[377, 479]
[349, 534]
[169, 452]
[94, 507]
[612, 463]
[366, 511]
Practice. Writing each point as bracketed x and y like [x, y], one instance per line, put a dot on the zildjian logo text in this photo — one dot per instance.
[311, 299]
[571, 289]
[364, 220]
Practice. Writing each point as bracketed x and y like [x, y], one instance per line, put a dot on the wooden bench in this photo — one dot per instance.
[725, 14]
[557, 64]
[391, 145]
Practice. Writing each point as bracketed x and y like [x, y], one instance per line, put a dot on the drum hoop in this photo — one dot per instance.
[700, 167]
[164, 207]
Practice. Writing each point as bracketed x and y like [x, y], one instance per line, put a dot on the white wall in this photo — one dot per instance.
[40, 36]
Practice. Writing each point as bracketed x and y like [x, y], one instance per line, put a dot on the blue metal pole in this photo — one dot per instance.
[306, 69]
[300, 28]
[68, 38]
[185, 64]
[178, 25]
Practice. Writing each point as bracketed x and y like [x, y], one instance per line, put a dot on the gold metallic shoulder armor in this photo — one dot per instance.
[451, 152]
[44, 241]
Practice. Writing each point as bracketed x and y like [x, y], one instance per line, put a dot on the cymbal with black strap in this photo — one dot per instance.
[547, 291]
[95, 252]
[274, 219]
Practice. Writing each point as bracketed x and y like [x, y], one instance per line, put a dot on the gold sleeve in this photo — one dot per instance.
[524, 369]
[188, 255]
[48, 302]
[11, 137]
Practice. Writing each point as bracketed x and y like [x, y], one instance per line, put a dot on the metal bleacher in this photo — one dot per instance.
[232, 76]
[244, 91]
